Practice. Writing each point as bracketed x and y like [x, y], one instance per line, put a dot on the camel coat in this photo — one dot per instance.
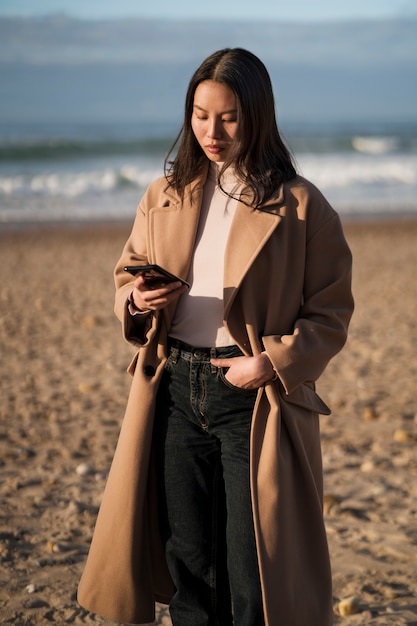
[287, 290]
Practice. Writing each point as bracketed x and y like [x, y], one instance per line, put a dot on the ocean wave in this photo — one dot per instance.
[376, 145]
[338, 170]
[31, 149]
[74, 184]
[327, 171]
[63, 149]
[359, 183]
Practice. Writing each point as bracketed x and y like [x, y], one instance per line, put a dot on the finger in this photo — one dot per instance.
[159, 292]
[221, 362]
[159, 298]
[139, 282]
[162, 290]
[174, 286]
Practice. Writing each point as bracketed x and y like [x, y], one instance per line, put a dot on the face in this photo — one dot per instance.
[214, 119]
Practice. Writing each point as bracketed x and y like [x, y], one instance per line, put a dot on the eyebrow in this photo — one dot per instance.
[195, 106]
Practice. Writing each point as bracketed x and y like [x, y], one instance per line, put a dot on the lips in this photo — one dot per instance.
[214, 149]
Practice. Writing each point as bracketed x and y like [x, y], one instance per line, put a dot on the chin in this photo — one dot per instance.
[216, 158]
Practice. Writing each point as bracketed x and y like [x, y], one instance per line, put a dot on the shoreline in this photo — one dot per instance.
[119, 224]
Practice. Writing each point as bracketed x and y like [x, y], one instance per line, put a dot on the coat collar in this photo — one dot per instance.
[177, 221]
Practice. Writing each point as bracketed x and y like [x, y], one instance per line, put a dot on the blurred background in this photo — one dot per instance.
[92, 92]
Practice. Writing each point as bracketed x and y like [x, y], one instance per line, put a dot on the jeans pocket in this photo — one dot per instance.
[222, 377]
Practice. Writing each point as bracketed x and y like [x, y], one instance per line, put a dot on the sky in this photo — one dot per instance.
[302, 10]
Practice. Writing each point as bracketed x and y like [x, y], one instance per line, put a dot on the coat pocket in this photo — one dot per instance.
[306, 397]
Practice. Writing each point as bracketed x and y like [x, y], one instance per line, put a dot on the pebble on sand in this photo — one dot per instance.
[368, 466]
[348, 606]
[403, 436]
[86, 388]
[331, 504]
[84, 469]
[370, 414]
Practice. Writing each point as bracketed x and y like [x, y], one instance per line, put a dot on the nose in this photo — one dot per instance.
[214, 129]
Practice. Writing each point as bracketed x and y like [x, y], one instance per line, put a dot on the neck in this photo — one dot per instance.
[228, 176]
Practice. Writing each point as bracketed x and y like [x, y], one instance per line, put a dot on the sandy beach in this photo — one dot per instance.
[63, 392]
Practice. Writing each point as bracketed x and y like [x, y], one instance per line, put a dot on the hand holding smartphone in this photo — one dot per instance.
[155, 275]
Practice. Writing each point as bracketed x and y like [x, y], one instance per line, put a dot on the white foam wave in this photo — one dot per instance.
[375, 145]
[75, 184]
[338, 170]
[327, 171]
[351, 181]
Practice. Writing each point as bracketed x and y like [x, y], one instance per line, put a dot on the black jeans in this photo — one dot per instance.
[202, 433]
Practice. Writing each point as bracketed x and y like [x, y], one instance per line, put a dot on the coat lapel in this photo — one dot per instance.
[172, 232]
[249, 232]
[173, 228]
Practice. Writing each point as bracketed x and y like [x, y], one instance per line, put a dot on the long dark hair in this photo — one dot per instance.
[259, 155]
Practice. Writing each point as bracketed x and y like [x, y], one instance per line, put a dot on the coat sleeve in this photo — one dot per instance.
[320, 330]
[136, 329]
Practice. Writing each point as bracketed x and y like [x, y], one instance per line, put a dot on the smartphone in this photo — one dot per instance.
[155, 275]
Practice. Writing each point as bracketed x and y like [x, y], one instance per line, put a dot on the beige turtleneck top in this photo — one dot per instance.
[198, 319]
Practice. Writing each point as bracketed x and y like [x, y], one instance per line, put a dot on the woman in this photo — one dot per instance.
[214, 499]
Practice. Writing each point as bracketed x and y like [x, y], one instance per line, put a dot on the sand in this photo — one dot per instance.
[64, 389]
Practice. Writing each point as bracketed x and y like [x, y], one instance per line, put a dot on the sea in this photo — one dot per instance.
[78, 172]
